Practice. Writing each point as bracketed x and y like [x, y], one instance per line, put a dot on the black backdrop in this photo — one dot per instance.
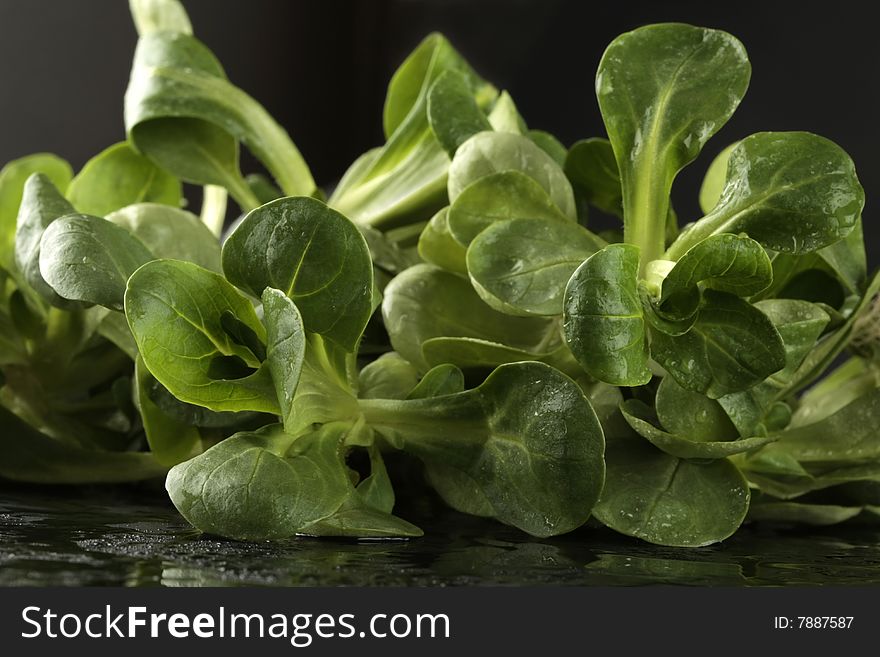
[321, 67]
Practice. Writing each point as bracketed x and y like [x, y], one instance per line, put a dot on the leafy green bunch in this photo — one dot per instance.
[693, 343]
[239, 366]
[447, 302]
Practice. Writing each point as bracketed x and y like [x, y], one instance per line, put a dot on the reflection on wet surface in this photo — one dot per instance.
[123, 537]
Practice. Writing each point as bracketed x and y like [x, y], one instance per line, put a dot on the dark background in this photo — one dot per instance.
[321, 68]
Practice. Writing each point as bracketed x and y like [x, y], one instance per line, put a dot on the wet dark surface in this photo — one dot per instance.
[125, 537]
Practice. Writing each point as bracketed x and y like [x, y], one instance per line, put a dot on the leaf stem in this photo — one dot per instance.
[214, 208]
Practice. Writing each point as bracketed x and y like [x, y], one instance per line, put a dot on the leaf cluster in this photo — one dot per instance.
[448, 302]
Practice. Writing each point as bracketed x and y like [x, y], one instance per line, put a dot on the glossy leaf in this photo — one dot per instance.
[412, 80]
[453, 113]
[592, 170]
[41, 204]
[120, 176]
[89, 259]
[846, 437]
[663, 91]
[367, 510]
[498, 197]
[641, 418]
[170, 233]
[526, 443]
[493, 152]
[405, 180]
[445, 379]
[690, 414]
[182, 112]
[713, 182]
[260, 485]
[176, 312]
[438, 247]
[521, 266]
[603, 321]
[799, 324]
[315, 256]
[729, 263]
[842, 267]
[670, 501]
[13, 177]
[731, 347]
[426, 302]
[387, 377]
[285, 348]
[793, 192]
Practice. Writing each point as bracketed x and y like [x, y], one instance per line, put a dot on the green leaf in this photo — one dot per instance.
[367, 511]
[89, 259]
[476, 353]
[793, 192]
[592, 170]
[670, 501]
[405, 180]
[729, 263]
[261, 484]
[790, 485]
[326, 390]
[731, 347]
[839, 269]
[830, 346]
[505, 117]
[846, 437]
[641, 418]
[847, 382]
[499, 197]
[358, 520]
[31, 456]
[549, 144]
[159, 16]
[175, 311]
[438, 247]
[315, 256]
[170, 233]
[713, 182]
[453, 113]
[171, 441]
[285, 348]
[818, 515]
[663, 91]
[445, 379]
[182, 112]
[526, 444]
[492, 152]
[119, 176]
[426, 302]
[13, 177]
[521, 266]
[687, 413]
[387, 377]
[799, 324]
[41, 204]
[603, 321]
